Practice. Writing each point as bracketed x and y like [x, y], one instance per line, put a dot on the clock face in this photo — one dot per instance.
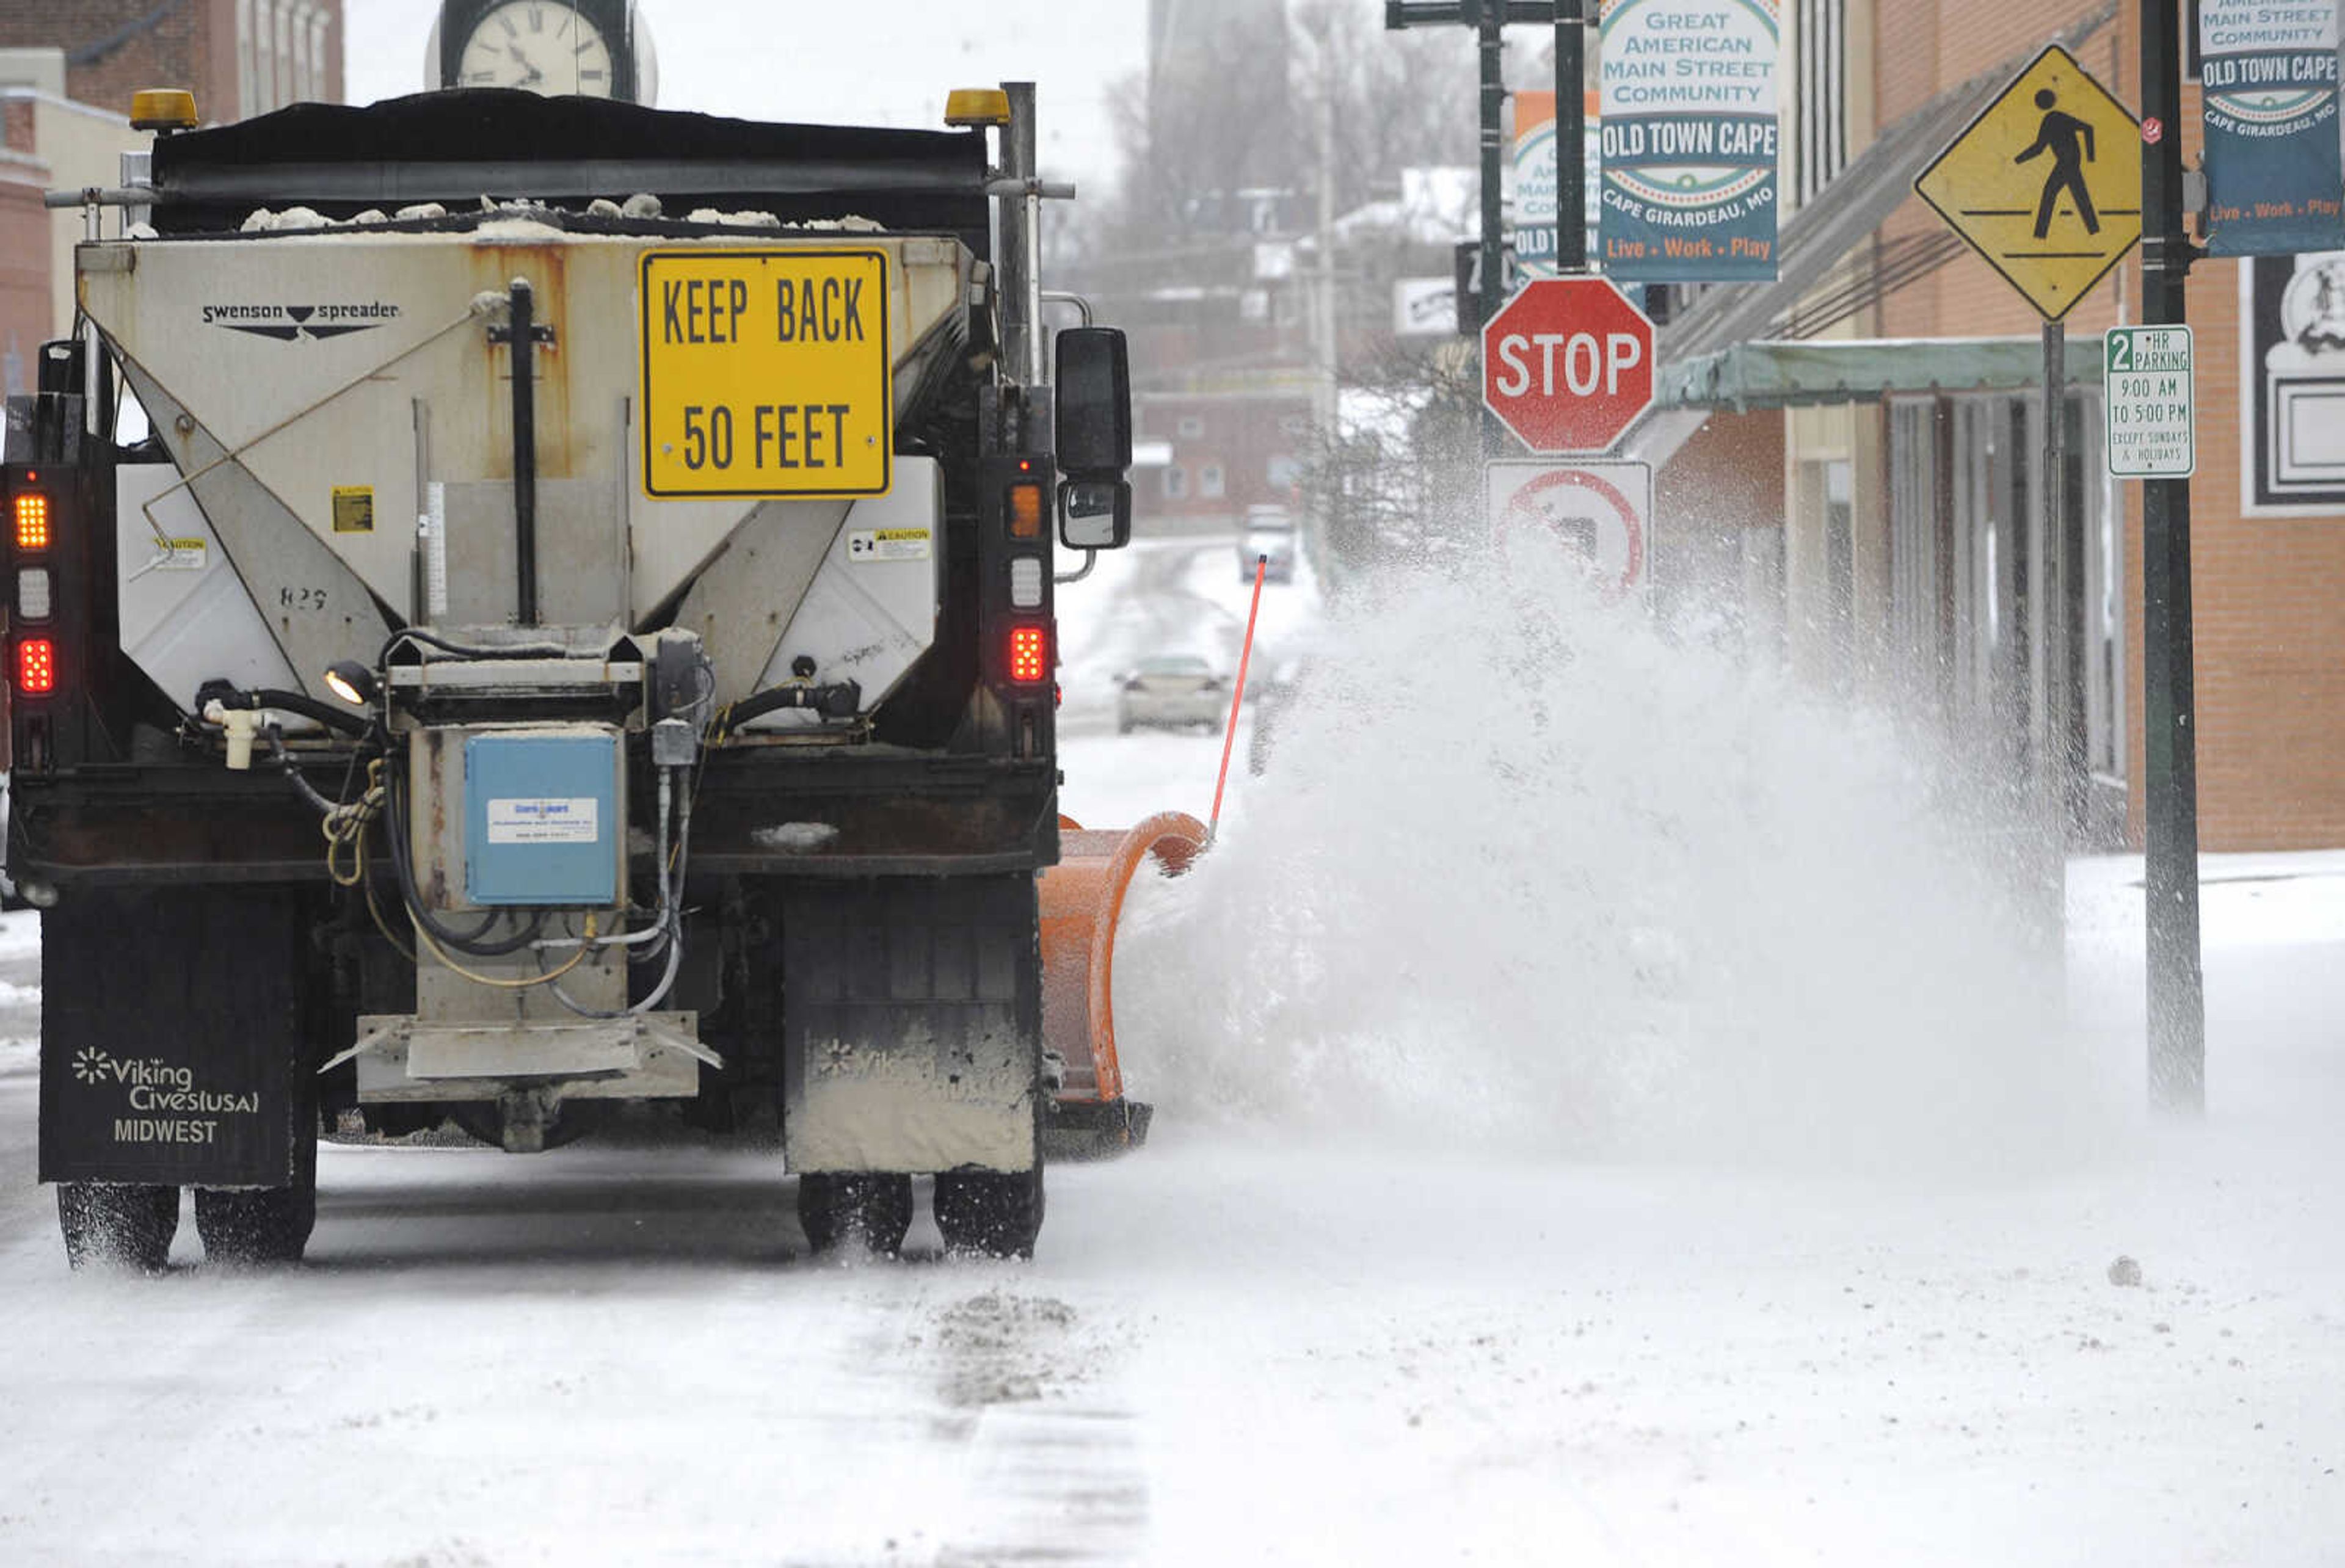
[543, 45]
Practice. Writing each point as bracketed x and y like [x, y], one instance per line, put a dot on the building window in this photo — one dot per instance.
[1284, 473]
[1192, 427]
[280, 57]
[1177, 482]
[1209, 481]
[245, 86]
[1820, 35]
[318, 85]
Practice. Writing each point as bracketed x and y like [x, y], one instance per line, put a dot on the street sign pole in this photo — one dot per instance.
[1491, 19]
[2177, 983]
[1571, 136]
[2056, 761]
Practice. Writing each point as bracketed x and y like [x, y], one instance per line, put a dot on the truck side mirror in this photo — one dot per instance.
[1095, 514]
[1094, 404]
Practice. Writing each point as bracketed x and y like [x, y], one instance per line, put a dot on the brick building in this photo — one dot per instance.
[1902, 551]
[66, 76]
[239, 57]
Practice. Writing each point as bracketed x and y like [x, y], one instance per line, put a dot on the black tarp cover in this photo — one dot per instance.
[456, 147]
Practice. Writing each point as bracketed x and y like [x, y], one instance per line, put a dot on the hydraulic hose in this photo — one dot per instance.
[357, 726]
[839, 700]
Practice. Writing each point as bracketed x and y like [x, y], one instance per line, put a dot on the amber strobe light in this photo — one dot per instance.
[32, 521]
[1027, 662]
[37, 667]
[1025, 511]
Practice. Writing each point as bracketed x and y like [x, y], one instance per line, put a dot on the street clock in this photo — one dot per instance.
[594, 48]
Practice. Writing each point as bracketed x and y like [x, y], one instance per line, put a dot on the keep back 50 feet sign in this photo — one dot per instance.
[766, 372]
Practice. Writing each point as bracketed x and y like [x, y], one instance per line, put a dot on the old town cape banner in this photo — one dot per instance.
[1689, 140]
[2272, 163]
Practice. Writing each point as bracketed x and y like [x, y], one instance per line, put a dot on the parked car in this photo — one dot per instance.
[1270, 533]
[1172, 690]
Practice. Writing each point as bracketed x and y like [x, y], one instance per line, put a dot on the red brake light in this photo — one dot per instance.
[37, 667]
[32, 521]
[1029, 654]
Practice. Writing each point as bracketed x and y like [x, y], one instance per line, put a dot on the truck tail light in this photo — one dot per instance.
[1026, 581]
[1029, 655]
[37, 667]
[1025, 511]
[33, 600]
[32, 520]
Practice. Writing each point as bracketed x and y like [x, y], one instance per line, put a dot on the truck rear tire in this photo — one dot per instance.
[117, 1225]
[255, 1228]
[990, 1213]
[871, 1209]
[262, 1227]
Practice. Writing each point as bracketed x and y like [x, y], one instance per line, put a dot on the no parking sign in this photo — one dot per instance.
[1600, 512]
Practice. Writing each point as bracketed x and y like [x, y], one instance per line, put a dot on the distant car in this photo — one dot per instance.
[1171, 691]
[1270, 533]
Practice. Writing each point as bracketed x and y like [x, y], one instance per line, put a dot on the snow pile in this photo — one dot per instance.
[1528, 870]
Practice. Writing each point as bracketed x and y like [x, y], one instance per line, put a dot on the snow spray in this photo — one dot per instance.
[1534, 871]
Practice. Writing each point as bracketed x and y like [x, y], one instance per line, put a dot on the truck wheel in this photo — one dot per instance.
[871, 1210]
[117, 1225]
[255, 1227]
[990, 1213]
[252, 1228]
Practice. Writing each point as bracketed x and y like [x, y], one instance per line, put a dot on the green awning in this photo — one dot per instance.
[1822, 371]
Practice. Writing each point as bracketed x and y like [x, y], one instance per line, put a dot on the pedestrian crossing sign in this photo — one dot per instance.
[2045, 183]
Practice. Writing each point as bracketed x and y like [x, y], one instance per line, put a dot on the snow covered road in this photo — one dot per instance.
[1230, 1350]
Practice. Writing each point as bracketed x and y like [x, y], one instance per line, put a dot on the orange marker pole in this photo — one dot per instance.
[1237, 698]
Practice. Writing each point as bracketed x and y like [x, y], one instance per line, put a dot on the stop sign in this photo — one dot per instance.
[1568, 363]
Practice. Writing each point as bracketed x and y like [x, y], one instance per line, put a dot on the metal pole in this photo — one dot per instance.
[2177, 983]
[1021, 284]
[2052, 760]
[1494, 99]
[1570, 138]
[523, 330]
[1491, 19]
[1323, 314]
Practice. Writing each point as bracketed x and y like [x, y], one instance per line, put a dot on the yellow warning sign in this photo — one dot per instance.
[353, 508]
[2045, 183]
[766, 372]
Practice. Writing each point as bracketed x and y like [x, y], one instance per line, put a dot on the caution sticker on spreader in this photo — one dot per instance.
[766, 372]
[182, 554]
[864, 544]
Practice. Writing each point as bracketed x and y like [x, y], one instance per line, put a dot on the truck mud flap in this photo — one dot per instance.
[911, 1024]
[174, 1038]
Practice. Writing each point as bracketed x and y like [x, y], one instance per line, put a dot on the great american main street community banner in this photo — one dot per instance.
[2269, 70]
[1690, 140]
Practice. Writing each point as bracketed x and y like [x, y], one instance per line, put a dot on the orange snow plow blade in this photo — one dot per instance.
[1082, 900]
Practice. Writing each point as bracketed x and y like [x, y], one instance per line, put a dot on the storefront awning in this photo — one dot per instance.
[1865, 370]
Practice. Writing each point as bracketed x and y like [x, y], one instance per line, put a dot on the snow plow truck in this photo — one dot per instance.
[517, 605]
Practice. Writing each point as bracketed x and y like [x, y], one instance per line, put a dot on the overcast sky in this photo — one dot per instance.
[871, 62]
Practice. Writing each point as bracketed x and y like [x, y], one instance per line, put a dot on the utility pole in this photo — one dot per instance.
[2177, 983]
[1323, 315]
